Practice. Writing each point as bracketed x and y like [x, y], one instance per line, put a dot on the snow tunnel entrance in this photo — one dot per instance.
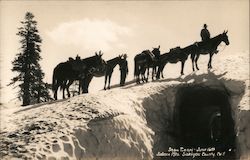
[203, 119]
[194, 116]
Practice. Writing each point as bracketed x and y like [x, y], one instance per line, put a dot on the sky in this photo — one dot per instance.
[68, 28]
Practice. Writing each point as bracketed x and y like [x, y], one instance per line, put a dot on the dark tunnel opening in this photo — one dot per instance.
[203, 119]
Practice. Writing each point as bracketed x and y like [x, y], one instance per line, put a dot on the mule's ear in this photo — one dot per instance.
[125, 55]
[226, 31]
[159, 47]
[96, 53]
[100, 53]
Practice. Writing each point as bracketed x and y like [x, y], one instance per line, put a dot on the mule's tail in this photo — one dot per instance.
[136, 70]
[54, 81]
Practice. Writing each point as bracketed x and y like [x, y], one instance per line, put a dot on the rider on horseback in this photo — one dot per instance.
[205, 35]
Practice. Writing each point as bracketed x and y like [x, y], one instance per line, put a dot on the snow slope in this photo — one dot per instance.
[131, 122]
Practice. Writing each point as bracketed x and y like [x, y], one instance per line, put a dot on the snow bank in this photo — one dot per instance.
[132, 122]
[86, 126]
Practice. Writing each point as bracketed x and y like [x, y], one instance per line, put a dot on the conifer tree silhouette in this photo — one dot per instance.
[29, 75]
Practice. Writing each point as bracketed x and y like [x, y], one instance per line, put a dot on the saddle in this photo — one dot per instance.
[76, 65]
[204, 46]
[151, 55]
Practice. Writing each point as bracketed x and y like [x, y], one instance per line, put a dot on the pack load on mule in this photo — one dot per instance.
[66, 73]
[148, 53]
[75, 64]
[175, 50]
[175, 55]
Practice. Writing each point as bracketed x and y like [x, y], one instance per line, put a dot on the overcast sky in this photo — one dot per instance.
[68, 28]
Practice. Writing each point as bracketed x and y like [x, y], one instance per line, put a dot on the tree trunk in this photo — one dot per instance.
[26, 95]
[26, 88]
[39, 96]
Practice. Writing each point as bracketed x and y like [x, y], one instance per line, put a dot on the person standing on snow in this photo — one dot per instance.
[123, 70]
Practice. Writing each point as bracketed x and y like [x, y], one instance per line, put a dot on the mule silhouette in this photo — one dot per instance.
[145, 60]
[66, 73]
[107, 71]
[208, 47]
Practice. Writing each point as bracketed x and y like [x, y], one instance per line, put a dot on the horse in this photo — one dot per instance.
[65, 73]
[208, 47]
[173, 56]
[107, 71]
[143, 61]
[109, 68]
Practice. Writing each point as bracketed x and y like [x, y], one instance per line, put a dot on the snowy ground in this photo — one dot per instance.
[122, 123]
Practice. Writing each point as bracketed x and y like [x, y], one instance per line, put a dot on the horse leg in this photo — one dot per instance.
[137, 76]
[83, 85]
[158, 73]
[80, 85]
[109, 80]
[196, 60]
[138, 79]
[153, 73]
[55, 91]
[210, 61]
[147, 74]
[142, 76]
[155, 69]
[121, 77]
[182, 67]
[64, 85]
[162, 72]
[192, 58]
[86, 84]
[67, 87]
[106, 76]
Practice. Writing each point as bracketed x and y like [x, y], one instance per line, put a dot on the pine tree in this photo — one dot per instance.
[29, 73]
